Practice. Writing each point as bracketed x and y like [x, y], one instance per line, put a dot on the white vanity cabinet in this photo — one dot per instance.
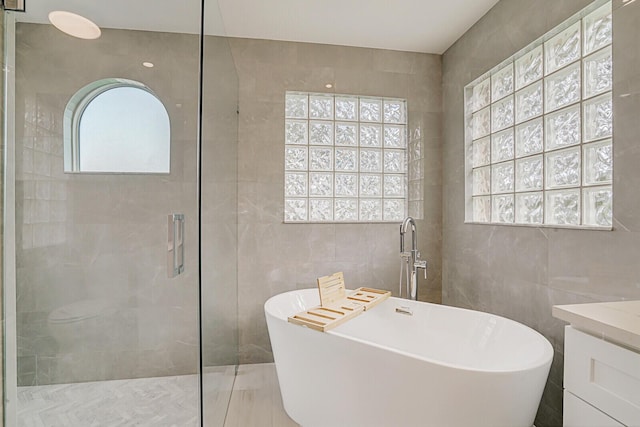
[601, 381]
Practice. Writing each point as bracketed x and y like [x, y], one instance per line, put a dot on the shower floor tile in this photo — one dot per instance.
[249, 398]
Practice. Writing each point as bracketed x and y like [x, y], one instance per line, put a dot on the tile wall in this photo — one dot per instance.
[276, 257]
[521, 272]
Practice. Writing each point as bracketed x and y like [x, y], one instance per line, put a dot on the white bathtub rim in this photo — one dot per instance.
[541, 362]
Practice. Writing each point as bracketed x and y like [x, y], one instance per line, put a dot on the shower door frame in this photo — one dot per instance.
[9, 297]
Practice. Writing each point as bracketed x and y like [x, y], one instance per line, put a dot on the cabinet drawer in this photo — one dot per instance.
[605, 375]
[577, 413]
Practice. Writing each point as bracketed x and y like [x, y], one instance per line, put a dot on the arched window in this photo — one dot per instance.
[116, 126]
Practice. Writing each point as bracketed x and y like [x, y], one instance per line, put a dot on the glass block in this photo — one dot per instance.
[482, 181]
[529, 208]
[502, 146]
[597, 29]
[394, 136]
[562, 49]
[370, 209]
[502, 83]
[346, 159]
[502, 114]
[529, 138]
[321, 133]
[295, 158]
[481, 94]
[321, 184]
[562, 207]
[320, 159]
[370, 160]
[416, 169]
[562, 88]
[481, 123]
[370, 135]
[393, 210]
[598, 73]
[416, 191]
[394, 111]
[562, 168]
[416, 209]
[295, 210]
[394, 186]
[529, 173]
[482, 209]
[597, 205]
[598, 163]
[394, 161]
[481, 152]
[296, 106]
[415, 150]
[346, 108]
[320, 209]
[295, 132]
[295, 184]
[562, 128]
[503, 210]
[529, 68]
[370, 110]
[370, 185]
[529, 102]
[346, 134]
[321, 107]
[346, 185]
[598, 117]
[502, 178]
[346, 209]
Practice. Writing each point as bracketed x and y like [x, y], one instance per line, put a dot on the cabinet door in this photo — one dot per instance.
[603, 374]
[578, 413]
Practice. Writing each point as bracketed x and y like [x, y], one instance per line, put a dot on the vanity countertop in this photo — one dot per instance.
[614, 321]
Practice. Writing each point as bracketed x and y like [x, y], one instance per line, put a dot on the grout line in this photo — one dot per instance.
[233, 387]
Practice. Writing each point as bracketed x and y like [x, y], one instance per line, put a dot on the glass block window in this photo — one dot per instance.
[539, 130]
[345, 158]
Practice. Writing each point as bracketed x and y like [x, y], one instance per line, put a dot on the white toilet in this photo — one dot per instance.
[74, 325]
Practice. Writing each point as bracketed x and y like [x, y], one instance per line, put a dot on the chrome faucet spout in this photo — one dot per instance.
[404, 227]
[411, 259]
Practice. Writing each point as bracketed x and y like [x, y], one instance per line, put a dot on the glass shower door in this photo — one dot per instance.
[102, 312]
[219, 201]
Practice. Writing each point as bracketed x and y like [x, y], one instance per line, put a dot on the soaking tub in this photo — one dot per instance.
[439, 366]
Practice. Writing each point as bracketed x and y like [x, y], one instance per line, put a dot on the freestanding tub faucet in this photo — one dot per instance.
[411, 260]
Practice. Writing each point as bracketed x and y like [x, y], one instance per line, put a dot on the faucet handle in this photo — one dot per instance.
[422, 264]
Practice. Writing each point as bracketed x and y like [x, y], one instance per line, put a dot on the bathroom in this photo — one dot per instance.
[100, 239]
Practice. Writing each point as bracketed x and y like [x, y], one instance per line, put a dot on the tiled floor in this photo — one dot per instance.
[249, 398]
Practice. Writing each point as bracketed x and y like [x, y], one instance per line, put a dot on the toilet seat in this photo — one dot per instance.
[78, 311]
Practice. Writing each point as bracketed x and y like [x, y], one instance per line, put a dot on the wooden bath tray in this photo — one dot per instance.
[336, 305]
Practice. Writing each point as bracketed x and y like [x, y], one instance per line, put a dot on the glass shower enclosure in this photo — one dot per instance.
[119, 227]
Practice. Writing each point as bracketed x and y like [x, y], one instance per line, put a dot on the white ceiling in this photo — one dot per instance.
[429, 26]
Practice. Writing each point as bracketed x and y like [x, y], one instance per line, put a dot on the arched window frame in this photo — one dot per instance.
[75, 109]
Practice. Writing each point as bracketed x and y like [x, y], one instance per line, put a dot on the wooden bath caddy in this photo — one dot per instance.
[336, 306]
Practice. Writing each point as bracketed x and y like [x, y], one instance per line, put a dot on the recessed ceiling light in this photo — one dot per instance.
[74, 25]
[148, 64]
[328, 85]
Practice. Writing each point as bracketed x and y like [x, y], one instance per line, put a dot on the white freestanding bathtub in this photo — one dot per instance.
[441, 366]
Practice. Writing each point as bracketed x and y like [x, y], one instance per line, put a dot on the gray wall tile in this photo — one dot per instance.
[522, 272]
[277, 257]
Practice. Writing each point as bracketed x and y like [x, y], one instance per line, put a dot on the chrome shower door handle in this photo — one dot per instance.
[175, 245]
